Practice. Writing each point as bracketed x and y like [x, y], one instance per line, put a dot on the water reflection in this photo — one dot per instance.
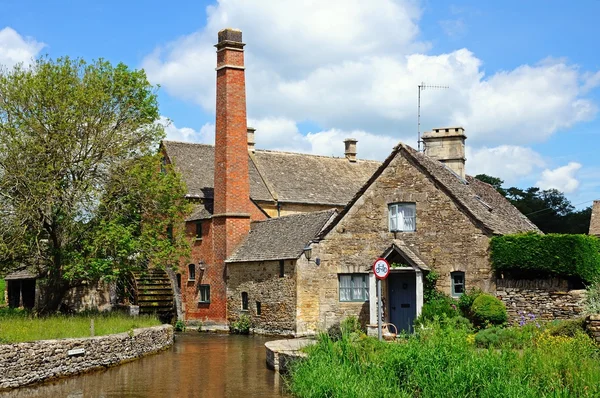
[198, 365]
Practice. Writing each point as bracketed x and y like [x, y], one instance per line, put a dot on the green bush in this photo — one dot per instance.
[466, 301]
[179, 326]
[488, 310]
[497, 337]
[566, 255]
[440, 308]
[429, 287]
[568, 328]
[242, 325]
[2, 287]
[591, 303]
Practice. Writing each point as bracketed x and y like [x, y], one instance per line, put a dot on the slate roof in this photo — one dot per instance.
[281, 238]
[285, 176]
[20, 274]
[201, 211]
[595, 220]
[410, 255]
[479, 200]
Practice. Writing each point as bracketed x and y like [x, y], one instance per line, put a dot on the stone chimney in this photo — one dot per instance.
[350, 149]
[251, 131]
[447, 144]
[231, 215]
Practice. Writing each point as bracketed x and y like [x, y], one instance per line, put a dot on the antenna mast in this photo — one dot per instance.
[422, 87]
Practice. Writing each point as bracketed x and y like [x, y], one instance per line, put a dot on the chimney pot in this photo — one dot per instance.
[350, 149]
[447, 144]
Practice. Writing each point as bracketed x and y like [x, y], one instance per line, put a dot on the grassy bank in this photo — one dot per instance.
[2, 287]
[18, 326]
[444, 361]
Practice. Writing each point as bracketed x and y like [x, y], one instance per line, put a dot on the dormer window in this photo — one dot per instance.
[402, 217]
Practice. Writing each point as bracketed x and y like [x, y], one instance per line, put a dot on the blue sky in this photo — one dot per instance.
[524, 77]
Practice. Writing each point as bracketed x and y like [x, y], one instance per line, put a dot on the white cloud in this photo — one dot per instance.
[15, 48]
[355, 65]
[508, 162]
[206, 135]
[561, 178]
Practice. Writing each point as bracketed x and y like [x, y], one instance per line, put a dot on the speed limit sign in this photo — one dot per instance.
[381, 268]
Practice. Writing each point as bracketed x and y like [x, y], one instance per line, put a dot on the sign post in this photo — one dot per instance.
[381, 269]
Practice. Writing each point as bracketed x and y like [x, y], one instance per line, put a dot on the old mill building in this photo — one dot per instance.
[289, 238]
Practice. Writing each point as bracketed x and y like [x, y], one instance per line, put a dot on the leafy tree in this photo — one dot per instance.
[549, 209]
[79, 174]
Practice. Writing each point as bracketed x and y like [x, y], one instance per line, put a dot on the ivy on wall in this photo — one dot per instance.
[565, 255]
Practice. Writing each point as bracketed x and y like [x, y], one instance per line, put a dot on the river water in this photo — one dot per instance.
[198, 365]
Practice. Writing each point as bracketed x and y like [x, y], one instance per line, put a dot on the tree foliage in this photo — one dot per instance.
[549, 209]
[78, 173]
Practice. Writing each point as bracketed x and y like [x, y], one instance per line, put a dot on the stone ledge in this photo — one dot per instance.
[43, 360]
[281, 352]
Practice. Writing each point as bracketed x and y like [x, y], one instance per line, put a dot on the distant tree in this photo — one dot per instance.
[548, 209]
[79, 173]
[493, 181]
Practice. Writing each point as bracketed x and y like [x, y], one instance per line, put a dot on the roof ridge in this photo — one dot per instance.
[312, 154]
[187, 143]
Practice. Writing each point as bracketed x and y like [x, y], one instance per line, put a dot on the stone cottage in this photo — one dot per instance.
[289, 239]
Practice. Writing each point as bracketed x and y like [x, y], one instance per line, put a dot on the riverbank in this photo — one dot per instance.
[37, 361]
[18, 326]
[445, 362]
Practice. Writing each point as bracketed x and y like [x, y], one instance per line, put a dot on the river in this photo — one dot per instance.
[198, 365]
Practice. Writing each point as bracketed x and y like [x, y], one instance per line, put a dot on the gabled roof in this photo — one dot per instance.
[285, 176]
[480, 201]
[281, 238]
[595, 220]
[410, 256]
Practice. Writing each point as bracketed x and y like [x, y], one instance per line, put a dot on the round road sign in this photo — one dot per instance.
[381, 268]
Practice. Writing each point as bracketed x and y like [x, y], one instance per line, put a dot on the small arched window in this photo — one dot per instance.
[192, 272]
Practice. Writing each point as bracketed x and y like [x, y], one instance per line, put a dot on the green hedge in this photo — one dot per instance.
[553, 254]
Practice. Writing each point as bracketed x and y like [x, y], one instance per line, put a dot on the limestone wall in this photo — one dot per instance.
[100, 296]
[277, 295]
[547, 299]
[32, 362]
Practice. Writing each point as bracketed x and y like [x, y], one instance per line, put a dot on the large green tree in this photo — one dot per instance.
[549, 209]
[81, 192]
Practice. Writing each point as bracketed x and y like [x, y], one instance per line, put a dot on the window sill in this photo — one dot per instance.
[191, 280]
[203, 302]
[198, 239]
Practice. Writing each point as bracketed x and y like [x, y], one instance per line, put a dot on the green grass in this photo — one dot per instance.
[18, 326]
[444, 362]
[2, 287]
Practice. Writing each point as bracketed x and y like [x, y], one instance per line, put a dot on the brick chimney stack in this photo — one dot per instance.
[447, 144]
[231, 215]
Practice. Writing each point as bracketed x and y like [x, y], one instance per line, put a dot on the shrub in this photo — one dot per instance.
[466, 301]
[430, 292]
[242, 325]
[566, 255]
[514, 337]
[179, 326]
[440, 308]
[568, 328]
[487, 309]
[591, 303]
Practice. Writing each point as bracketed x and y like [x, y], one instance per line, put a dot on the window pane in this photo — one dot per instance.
[357, 288]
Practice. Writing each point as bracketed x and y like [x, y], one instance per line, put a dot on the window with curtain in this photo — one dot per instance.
[402, 217]
[354, 287]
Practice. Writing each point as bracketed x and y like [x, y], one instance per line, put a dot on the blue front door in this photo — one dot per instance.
[402, 293]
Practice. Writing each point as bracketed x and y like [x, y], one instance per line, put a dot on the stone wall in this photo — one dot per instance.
[547, 299]
[100, 296]
[592, 324]
[32, 362]
[446, 239]
[277, 295]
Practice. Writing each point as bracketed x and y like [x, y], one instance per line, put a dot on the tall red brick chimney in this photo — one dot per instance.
[231, 218]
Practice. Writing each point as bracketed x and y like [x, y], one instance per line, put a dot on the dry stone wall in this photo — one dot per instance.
[547, 299]
[36, 361]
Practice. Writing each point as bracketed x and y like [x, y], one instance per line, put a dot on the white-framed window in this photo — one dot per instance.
[402, 217]
[354, 287]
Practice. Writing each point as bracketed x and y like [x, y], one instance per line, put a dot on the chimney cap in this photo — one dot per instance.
[230, 34]
[351, 140]
[439, 132]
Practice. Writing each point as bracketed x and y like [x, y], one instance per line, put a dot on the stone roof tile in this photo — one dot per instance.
[281, 238]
